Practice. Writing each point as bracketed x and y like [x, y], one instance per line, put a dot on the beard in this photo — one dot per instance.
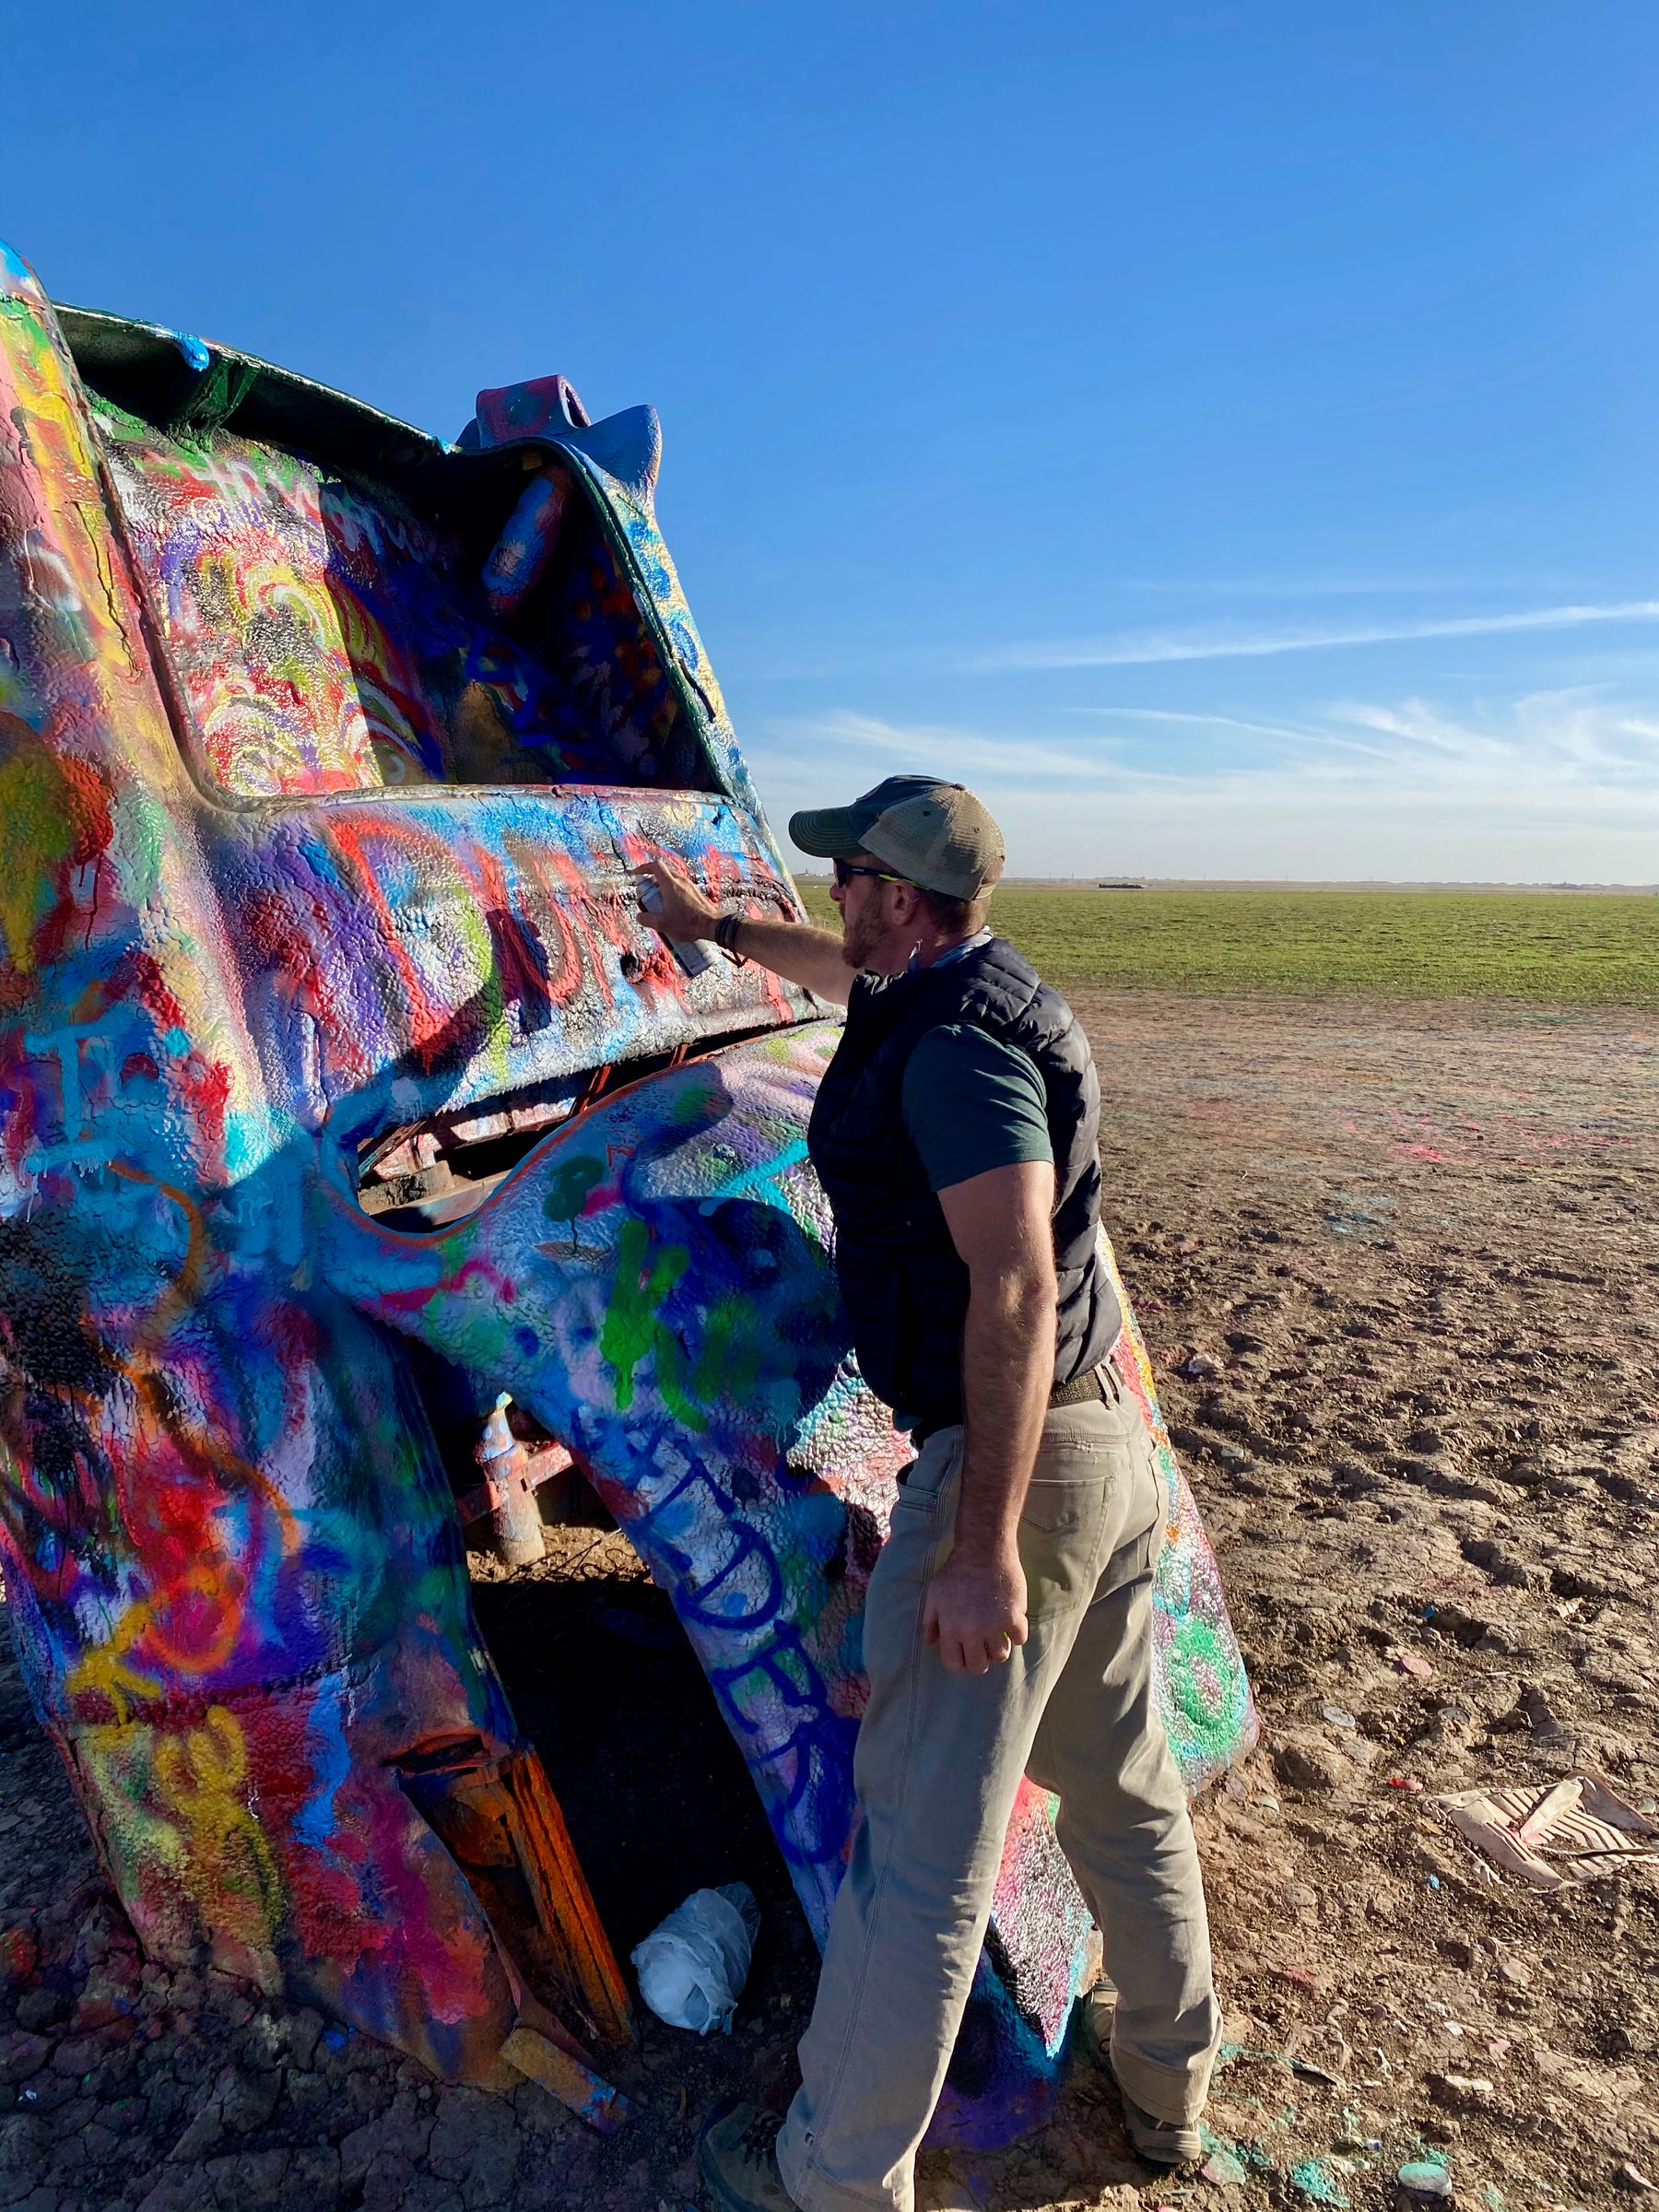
[859, 940]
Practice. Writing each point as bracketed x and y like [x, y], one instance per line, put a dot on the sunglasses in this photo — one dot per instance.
[845, 871]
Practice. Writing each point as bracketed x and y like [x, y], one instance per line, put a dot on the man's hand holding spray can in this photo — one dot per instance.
[693, 958]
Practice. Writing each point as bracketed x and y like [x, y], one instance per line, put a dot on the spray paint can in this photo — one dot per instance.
[693, 959]
[514, 1516]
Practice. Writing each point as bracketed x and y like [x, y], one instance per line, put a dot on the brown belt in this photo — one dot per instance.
[1098, 1383]
[1095, 1382]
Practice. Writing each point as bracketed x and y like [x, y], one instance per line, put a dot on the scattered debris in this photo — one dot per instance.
[1462, 2092]
[1633, 2178]
[1579, 1821]
[1325, 2033]
[1223, 2166]
[1308, 2071]
[573, 2083]
[1412, 1663]
[1424, 2180]
[1534, 1711]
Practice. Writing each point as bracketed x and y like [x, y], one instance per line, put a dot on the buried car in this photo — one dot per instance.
[336, 1055]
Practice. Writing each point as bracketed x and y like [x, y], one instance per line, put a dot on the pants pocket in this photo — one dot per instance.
[1068, 1489]
[1062, 1523]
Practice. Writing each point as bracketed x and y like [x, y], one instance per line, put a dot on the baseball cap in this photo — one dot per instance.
[937, 835]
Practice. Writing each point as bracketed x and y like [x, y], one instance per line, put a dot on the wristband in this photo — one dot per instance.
[725, 933]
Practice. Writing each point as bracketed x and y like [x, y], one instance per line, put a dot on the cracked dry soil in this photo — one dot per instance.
[1408, 1255]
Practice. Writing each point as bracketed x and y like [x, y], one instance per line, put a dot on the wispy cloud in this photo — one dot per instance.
[930, 748]
[1331, 587]
[1219, 643]
[1189, 721]
[1549, 786]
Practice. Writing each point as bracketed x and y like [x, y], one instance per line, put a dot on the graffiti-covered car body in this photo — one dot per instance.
[327, 753]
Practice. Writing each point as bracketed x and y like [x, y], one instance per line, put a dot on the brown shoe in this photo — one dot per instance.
[738, 2161]
[1160, 2142]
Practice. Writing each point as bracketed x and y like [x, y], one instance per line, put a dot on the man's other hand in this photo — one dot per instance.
[685, 913]
[975, 1612]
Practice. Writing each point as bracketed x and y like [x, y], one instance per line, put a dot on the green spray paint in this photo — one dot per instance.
[630, 1327]
[569, 1189]
[1315, 2180]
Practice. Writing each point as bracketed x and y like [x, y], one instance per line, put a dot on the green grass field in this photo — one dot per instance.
[1585, 949]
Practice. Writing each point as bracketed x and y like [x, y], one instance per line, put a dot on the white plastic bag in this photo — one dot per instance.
[693, 1966]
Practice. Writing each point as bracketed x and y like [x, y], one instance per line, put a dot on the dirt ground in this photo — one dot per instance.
[1408, 1256]
[1418, 1244]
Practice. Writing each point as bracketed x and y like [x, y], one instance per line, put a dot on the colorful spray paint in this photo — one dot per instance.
[312, 839]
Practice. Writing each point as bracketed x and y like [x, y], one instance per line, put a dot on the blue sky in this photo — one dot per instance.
[1222, 434]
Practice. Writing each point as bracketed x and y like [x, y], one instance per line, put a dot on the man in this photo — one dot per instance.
[1007, 1626]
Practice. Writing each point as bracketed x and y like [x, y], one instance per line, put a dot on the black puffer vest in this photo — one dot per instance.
[904, 1286]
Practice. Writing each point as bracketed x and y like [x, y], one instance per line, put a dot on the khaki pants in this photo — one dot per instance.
[938, 1763]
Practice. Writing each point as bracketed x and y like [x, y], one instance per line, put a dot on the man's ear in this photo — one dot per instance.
[907, 905]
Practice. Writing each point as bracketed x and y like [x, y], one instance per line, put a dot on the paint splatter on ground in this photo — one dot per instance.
[1452, 1408]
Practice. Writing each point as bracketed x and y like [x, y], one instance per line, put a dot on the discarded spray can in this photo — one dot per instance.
[514, 1516]
[693, 958]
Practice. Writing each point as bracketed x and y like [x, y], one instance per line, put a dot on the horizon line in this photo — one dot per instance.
[1088, 880]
